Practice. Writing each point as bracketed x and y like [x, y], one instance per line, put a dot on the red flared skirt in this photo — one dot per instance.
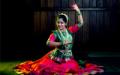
[47, 66]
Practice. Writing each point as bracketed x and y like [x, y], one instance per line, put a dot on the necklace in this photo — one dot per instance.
[66, 36]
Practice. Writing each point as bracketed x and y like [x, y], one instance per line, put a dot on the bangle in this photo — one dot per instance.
[78, 13]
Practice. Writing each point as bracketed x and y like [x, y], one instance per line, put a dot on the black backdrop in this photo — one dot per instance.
[21, 38]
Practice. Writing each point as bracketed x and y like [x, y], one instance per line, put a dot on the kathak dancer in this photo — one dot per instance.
[60, 60]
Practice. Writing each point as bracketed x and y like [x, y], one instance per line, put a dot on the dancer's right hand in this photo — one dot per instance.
[66, 42]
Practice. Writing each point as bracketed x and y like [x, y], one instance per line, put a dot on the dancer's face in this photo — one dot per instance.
[60, 24]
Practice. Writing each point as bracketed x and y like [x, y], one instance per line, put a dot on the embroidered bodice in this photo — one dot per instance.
[63, 51]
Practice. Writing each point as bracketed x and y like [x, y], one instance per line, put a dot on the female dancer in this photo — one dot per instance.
[59, 61]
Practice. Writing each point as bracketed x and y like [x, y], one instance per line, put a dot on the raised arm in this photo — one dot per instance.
[80, 18]
[75, 28]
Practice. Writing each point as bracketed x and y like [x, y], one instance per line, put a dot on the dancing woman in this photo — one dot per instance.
[59, 61]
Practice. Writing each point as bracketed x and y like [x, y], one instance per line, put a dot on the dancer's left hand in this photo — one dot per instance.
[75, 7]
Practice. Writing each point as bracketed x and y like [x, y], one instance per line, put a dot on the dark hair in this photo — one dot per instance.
[63, 17]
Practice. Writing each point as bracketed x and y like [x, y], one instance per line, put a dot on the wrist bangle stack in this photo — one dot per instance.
[78, 13]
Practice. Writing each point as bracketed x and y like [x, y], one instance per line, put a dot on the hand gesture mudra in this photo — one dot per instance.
[66, 42]
[75, 7]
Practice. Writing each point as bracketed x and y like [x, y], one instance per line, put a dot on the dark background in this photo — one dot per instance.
[26, 25]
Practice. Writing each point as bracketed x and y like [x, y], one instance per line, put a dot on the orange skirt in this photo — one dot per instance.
[47, 66]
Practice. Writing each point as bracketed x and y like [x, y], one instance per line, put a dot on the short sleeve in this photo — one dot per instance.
[52, 37]
[73, 28]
